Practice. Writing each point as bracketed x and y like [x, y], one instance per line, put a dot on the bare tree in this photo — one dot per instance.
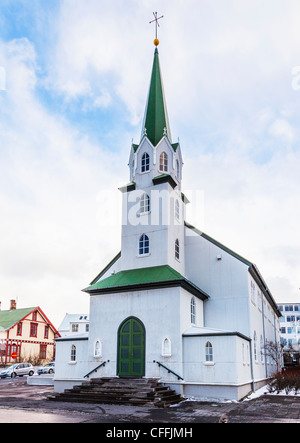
[274, 352]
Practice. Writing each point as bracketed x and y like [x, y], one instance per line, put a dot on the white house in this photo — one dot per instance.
[74, 324]
[174, 303]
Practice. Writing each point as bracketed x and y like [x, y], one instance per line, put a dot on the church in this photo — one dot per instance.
[174, 304]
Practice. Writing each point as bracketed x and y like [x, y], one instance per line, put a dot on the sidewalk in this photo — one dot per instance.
[20, 402]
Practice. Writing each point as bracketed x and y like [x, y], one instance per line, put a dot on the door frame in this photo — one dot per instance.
[144, 347]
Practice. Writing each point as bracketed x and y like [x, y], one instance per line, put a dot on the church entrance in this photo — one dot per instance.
[131, 348]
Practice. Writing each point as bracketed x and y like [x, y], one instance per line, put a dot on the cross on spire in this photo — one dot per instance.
[156, 23]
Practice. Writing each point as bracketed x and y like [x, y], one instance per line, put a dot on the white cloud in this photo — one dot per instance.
[283, 129]
[50, 178]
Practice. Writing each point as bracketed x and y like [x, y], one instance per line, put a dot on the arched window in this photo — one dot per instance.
[177, 209]
[144, 245]
[145, 203]
[145, 162]
[163, 162]
[193, 311]
[262, 355]
[177, 169]
[166, 347]
[73, 353]
[98, 349]
[255, 346]
[177, 250]
[208, 352]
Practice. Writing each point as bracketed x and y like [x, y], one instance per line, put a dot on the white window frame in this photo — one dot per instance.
[193, 310]
[98, 349]
[145, 162]
[73, 355]
[177, 249]
[145, 204]
[209, 353]
[177, 210]
[178, 169]
[255, 346]
[143, 248]
[163, 162]
[166, 348]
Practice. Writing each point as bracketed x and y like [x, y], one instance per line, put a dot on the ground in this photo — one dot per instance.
[20, 403]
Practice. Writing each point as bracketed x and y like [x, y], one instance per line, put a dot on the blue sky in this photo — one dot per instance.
[77, 77]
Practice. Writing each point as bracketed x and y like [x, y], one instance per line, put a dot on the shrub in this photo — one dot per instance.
[286, 381]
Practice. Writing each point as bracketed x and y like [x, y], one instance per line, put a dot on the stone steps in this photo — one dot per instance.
[123, 391]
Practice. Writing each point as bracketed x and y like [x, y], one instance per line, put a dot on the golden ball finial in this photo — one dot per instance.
[156, 42]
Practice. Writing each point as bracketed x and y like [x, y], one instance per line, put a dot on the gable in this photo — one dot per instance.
[9, 318]
[252, 268]
[218, 244]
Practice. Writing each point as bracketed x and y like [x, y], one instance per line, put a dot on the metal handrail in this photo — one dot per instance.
[95, 370]
[168, 369]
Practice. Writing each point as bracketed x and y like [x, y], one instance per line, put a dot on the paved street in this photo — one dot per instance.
[21, 403]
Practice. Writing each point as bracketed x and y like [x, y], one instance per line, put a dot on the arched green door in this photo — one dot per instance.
[131, 348]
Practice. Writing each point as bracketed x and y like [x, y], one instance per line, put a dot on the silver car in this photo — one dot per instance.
[19, 369]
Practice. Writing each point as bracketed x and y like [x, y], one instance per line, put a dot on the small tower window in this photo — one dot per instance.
[145, 203]
[144, 245]
[177, 209]
[208, 352]
[193, 311]
[177, 250]
[145, 162]
[177, 170]
[163, 162]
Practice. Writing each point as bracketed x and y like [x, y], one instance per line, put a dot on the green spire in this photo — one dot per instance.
[156, 122]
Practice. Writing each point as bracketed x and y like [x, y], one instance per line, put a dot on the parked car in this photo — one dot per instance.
[47, 369]
[19, 369]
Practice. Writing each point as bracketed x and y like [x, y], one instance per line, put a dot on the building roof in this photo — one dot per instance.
[10, 318]
[72, 318]
[156, 121]
[144, 278]
[195, 331]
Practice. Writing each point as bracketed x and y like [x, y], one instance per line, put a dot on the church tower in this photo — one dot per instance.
[153, 204]
[146, 283]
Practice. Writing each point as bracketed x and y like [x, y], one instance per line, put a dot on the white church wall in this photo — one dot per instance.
[185, 309]
[224, 278]
[157, 309]
[222, 370]
[226, 376]
[70, 367]
[264, 328]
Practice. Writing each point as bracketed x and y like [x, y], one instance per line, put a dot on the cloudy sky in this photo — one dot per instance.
[74, 77]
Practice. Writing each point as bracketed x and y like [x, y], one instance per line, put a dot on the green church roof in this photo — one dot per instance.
[156, 122]
[138, 279]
